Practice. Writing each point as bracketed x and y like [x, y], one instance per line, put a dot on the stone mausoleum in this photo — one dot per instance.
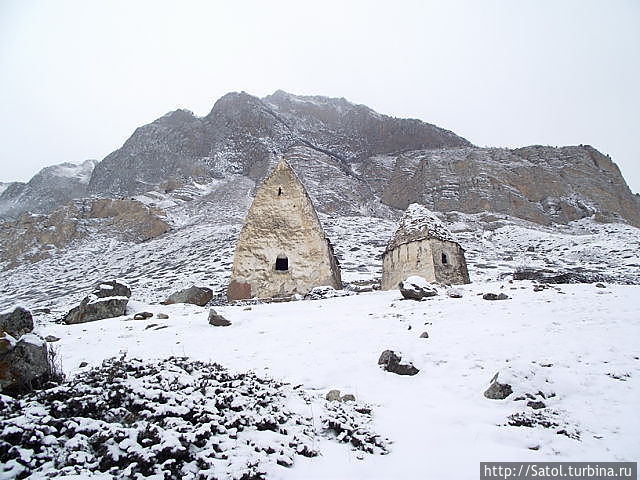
[282, 249]
[424, 246]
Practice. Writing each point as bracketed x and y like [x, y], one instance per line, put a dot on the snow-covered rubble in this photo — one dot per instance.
[174, 418]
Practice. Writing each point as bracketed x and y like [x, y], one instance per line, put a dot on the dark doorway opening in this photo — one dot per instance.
[282, 263]
[445, 260]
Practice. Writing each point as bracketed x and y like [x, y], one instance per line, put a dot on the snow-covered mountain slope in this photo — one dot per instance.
[51, 187]
[572, 347]
[199, 249]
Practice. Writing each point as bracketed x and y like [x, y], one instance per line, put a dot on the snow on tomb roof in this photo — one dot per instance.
[419, 223]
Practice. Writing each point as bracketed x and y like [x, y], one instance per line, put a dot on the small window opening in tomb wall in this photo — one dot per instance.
[279, 191]
[445, 260]
[282, 263]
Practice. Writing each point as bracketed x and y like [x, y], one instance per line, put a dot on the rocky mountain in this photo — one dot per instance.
[51, 187]
[536, 183]
[353, 160]
[241, 134]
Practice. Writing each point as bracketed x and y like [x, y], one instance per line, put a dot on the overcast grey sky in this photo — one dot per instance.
[77, 77]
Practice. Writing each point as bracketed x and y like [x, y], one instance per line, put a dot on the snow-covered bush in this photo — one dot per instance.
[171, 419]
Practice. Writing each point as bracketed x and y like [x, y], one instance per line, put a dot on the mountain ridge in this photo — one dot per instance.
[375, 163]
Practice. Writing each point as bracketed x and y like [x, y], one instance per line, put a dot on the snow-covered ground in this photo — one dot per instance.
[573, 347]
[576, 345]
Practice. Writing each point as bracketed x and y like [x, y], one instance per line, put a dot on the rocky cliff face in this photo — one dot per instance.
[352, 160]
[540, 184]
[34, 237]
[51, 187]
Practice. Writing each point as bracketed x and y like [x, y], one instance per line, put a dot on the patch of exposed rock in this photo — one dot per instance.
[536, 183]
[392, 362]
[107, 300]
[217, 320]
[497, 390]
[34, 237]
[495, 296]
[25, 363]
[194, 295]
[16, 322]
[417, 288]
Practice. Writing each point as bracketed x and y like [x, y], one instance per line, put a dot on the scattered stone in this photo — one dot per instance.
[24, 364]
[493, 296]
[217, 320]
[333, 396]
[45, 311]
[161, 327]
[424, 335]
[142, 315]
[326, 291]
[390, 361]
[247, 308]
[417, 288]
[83, 364]
[531, 249]
[536, 405]
[558, 277]
[16, 322]
[162, 316]
[108, 300]
[194, 295]
[454, 293]
[151, 325]
[51, 338]
[601, 285]
[497, 390]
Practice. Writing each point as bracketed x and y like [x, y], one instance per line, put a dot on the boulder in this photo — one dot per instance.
[493, 296]
[217, 320]
[326, 291]
[537, 405]
[51, 338]
[16, 322]
[417, 288]
[142, 315]
[194, 295]
[107, 300]
[333, 396]
[24, 365]
[424, 335]
[391, 362]
[497, 390]
[162, 316]
[454, 293]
